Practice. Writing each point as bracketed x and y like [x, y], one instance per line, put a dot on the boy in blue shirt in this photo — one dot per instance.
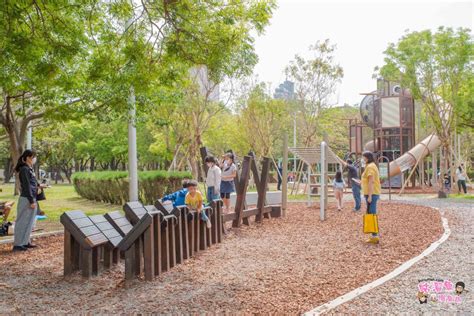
[178, 197]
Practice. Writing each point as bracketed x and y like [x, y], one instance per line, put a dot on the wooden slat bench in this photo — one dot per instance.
[142, 229]
[82, 239]
[110, 250]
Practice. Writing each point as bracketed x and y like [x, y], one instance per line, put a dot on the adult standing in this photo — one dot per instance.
[213, 179]
[353, 173]
[229, 172]
[461, 176]
[27, 206]
[371, 188]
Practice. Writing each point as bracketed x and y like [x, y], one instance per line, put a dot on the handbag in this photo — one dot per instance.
[40, 196]
[371, 224]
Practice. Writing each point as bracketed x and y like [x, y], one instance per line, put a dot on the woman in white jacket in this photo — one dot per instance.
[213, 179]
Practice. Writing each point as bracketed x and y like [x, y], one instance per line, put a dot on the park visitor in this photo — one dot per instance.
[447, 182]
[461, 176]
[26, 209]
[371, 188]
[194, 201]
[338, 185]
[213, 179]
[280, 173]
[353, 173]
[229, 171]
[178, 197]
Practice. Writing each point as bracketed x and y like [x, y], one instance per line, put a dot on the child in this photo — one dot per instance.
[178, 197]
[194, 201]
[338, 186]
[229, 171]
[213, 179]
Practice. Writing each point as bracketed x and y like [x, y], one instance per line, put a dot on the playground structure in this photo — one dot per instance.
[154, 238]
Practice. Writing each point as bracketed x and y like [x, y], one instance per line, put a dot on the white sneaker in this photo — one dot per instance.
[208, 224]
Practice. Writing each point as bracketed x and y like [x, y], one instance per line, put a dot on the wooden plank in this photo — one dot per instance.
[68, 256]
[172, 240]
[136, 232]
[165, 251]
[134, 211]
[215, 224]
[197, 232]
[220, 226]
[185, 232]
[157, 243]
[179, 240]
[241, 191]
[229, 217]
[96, 240]
[119, 222]
[76, 254]
[108, 256]
[86, 263]
[95, 260]
[191, 233]
[208, 230]
[138, 257]
[202, 234]
[115, 214]
[129, 263]
[148, 256]
[262, 188]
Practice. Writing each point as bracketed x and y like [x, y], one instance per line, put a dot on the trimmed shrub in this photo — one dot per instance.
[112, 186]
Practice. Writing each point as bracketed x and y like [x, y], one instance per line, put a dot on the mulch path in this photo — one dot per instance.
[288, 265]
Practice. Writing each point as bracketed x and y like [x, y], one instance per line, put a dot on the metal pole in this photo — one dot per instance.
[323, 177]
[284, 176]
[132, 148]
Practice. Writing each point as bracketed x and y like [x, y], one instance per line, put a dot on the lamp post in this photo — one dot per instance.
[132, 141]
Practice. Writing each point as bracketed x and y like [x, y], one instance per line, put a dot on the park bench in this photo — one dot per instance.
[82, 240]
[131, 244]
[110, 251]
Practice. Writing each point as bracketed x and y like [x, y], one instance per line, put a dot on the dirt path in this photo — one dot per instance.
[286, 265]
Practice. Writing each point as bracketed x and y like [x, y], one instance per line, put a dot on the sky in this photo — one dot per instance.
[361, 30]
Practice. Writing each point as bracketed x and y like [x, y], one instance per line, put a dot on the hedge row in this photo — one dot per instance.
[112, 186]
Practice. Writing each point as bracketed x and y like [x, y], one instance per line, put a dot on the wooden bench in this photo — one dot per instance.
[143, 229]
[82, 239]
[110, 250]
[271, 207]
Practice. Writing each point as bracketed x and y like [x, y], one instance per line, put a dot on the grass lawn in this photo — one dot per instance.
[461, 196]
[59, 198]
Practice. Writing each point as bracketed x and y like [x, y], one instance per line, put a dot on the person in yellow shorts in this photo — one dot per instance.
[194, 201]
[370, 182]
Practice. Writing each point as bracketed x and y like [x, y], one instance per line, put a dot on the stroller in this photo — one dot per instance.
[5, 208]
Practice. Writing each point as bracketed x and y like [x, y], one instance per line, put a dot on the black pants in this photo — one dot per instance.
[462, 183]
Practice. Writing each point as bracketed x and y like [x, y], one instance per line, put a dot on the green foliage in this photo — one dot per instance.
[437, 68]
[315, 81]
[112, 186]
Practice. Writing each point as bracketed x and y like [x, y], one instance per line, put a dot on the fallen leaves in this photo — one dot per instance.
[286, 265]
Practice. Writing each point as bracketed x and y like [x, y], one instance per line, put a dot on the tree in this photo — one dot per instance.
[315, 81]
[262, 119]
[437, 69]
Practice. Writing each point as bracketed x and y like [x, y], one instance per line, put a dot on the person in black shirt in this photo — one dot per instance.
[352, 172]
[27, 205]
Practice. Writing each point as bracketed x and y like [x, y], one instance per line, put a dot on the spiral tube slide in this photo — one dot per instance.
[411, 157]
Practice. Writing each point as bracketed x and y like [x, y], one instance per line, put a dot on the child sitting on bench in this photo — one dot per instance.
[178, 197]
[194, 201]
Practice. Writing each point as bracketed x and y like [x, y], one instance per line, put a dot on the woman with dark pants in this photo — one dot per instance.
[229, 171]
[27, 207]
[370, 182]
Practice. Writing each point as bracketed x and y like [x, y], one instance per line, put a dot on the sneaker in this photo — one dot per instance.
[208, 224]
[355, 210]
[30, 246]
[19, 248]
[373, 240]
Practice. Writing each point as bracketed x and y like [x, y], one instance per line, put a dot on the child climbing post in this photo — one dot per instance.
[194, 201]
[178, 197]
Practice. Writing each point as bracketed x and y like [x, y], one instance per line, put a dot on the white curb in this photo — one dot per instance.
[45, 234]
[402, 268]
